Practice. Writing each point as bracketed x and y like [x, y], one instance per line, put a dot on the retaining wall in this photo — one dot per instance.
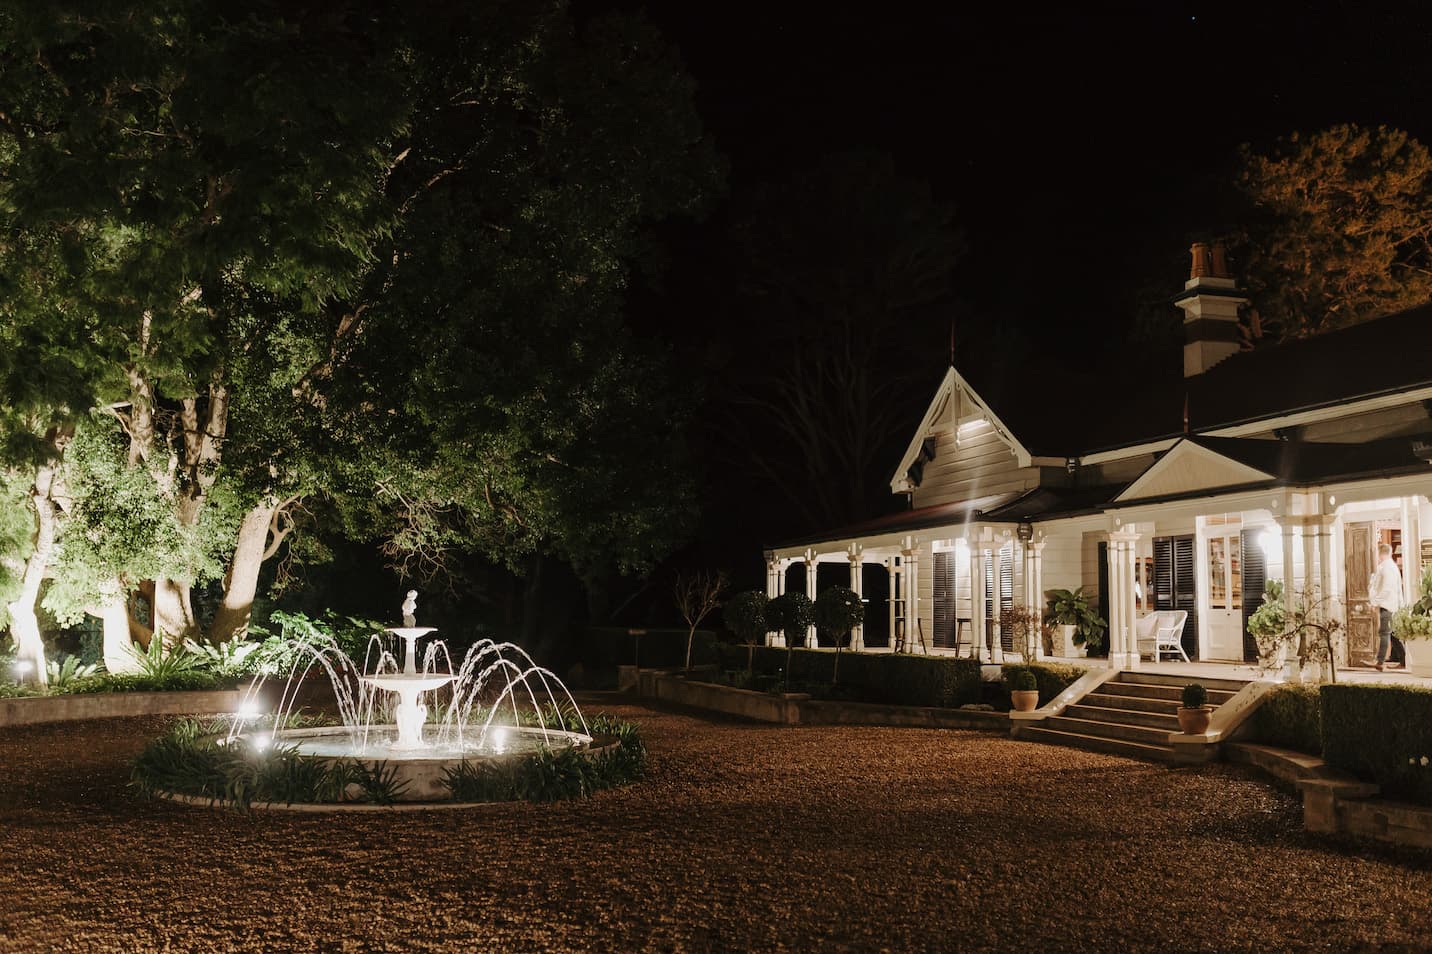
[114, 705]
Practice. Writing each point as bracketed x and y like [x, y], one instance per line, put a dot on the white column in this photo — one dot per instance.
[1131, 615]
[911, 577]
[857, 586]
[977, 603]
[1123, 638]
[1034, 586]
[774, 572]
[890, 571]
[996, 650]
[811, 565]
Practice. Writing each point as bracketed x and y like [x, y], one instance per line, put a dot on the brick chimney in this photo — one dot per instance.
[1210, 303]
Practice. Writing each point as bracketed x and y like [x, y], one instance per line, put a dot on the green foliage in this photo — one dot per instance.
[1268, 624]
[66, 671]
[1381, 733]
[551, 776]
[745, 615]
[1054, 678]
[1290, 717]
[231, 658]
[352, 634]
[1071, 608]
[1415, 621]
[192, 680]
[897, 679]
[1020, 679]
[838, 610]
[1195, 696]
[158, 662]
[1345, 232]
[791, 613]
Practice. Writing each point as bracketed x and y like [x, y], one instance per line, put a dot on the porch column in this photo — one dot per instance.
[1123, 639]
[1411, 549]
[812, 563]
[1325, 561]
[1310, 554]
[857, 586]
[977, 604]
[775, 573]
[1034, 591]
[996, 647]
[1289, 593]
[890, 603]
[911, 560]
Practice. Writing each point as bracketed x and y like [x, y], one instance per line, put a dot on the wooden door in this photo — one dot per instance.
[1359, 545]
[1225, 596]
[944, 593]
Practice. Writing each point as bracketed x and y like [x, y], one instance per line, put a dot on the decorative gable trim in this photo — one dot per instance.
[953, 399]
[1189, 468]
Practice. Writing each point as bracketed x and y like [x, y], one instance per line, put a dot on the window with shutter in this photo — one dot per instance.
[1255, 580]
[1174, 587]
[944, 585]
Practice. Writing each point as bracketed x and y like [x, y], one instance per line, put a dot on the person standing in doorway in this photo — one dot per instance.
[1385, 592]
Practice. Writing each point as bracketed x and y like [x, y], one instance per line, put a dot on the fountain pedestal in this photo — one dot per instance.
[410, 685]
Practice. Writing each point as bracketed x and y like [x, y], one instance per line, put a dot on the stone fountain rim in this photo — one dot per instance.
[587, 748]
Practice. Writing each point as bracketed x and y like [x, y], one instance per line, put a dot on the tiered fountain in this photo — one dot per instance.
[497, 681]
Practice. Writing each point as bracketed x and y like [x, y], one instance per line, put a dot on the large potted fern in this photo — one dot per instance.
[1077, 628]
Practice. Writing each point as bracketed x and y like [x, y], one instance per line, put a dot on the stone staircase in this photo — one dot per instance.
[1131, 714]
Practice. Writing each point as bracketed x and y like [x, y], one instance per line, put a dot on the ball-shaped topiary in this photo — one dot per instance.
[1194, 696]
[791, 613]
[745, 615]
[838, 610]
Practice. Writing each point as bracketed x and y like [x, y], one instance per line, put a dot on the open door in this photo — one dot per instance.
[1359, 546]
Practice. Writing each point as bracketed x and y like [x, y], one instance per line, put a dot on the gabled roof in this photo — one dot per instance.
[954, 401]
[1189, 467]
[943, 515]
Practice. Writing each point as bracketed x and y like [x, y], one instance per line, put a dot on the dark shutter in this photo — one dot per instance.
[1255, 581]
[1174, 587]
[1103, 570]
[944, 583]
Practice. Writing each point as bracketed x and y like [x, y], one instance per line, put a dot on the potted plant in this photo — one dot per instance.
[1195, 712]
[1023, 688]
[1268, 625]
[1412, 625]
[1080, 628]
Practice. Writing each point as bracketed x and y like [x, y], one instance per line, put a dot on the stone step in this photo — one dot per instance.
[1149, 677]
[1109, 730]
[1216, 697]
[1106, 700]
[1137, 750]
[1166, 720]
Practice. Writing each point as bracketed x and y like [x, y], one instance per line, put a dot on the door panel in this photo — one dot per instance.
[1361, 616]
[1174, 584]
[944, 593]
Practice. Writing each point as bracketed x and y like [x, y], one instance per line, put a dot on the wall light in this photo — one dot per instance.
[972, 424]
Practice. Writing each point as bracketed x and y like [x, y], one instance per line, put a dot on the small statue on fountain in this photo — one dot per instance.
[410, 606]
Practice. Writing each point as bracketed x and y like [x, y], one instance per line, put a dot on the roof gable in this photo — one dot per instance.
[1187, 468]
[954, 403]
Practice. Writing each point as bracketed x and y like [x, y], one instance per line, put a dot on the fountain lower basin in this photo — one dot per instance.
[424, 770]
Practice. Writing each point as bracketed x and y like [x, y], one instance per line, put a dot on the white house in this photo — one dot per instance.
[1295, 460]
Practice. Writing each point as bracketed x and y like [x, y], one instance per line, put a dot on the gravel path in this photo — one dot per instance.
[743, 838]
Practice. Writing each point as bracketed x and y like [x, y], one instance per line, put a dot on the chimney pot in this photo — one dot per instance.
[1220, 261]
[1200, 267]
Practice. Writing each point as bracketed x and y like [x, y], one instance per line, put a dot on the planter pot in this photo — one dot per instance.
[1419, 656]
[1064, 642]
[1024, 700]
[1194, 721]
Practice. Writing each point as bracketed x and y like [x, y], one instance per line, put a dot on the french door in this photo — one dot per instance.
[1225, 595]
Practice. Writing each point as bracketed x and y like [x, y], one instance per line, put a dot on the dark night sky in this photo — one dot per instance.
[1084, 149]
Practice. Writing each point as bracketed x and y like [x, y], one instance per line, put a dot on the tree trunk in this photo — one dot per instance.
[173, 613]
[242, 581]
[114, 614]
[24, 623]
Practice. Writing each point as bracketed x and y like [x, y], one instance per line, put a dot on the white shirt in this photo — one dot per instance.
[1385, 592]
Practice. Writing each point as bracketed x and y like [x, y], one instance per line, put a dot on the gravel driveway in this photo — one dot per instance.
[743, 838]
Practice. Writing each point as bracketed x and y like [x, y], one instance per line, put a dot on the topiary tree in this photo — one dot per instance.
[745, 616]
[791, 613]
[838, 610]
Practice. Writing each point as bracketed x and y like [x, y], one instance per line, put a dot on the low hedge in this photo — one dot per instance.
[1290, 717]
[607, 647]
[891, 678]
[1383, 734]
[1052, 678]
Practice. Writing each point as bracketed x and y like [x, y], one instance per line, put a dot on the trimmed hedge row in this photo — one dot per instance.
[1381, 733]
[892, 678]
[606, 647]
[1053, 678]
[1290, 717]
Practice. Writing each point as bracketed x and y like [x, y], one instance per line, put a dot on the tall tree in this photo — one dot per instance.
[849, 266]
[388, 259]
[1342, 230]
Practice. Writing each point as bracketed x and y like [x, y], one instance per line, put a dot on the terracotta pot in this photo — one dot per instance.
[1194, 721]
[1024, 700]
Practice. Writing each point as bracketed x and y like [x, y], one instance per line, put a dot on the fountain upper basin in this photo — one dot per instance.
[409, 681]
